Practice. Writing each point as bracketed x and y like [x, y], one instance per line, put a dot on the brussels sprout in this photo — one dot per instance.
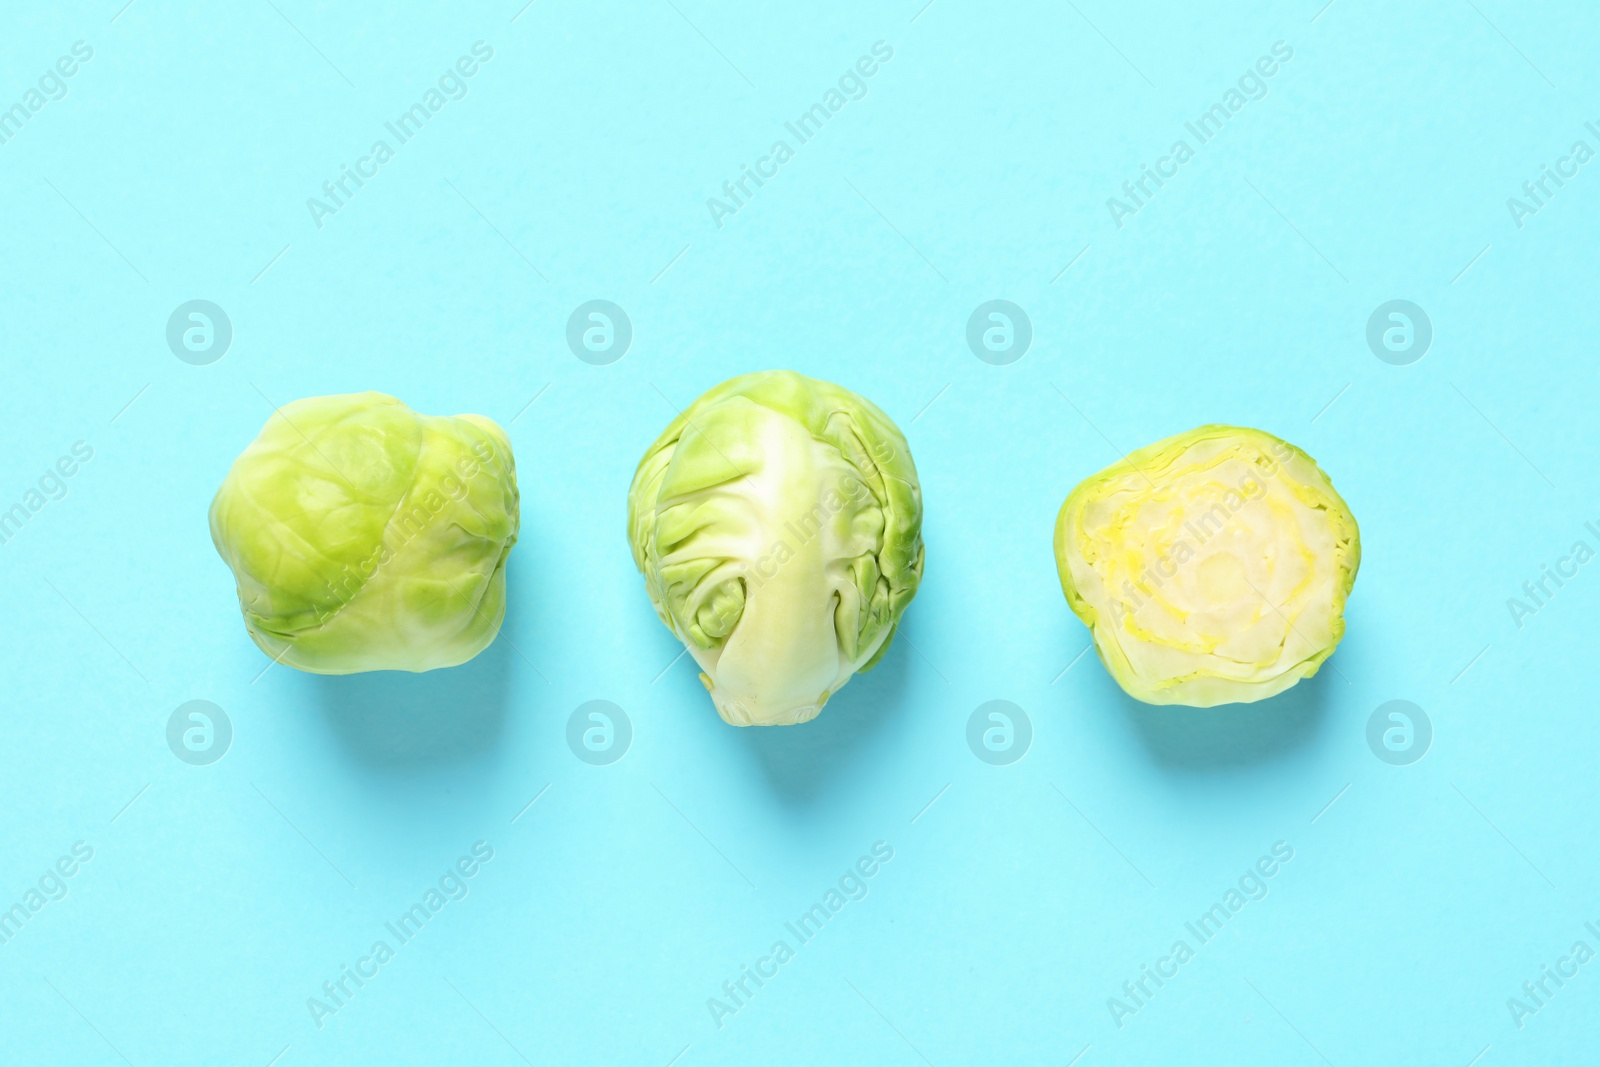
[778, 525]
[364, 536]
[1211, 567]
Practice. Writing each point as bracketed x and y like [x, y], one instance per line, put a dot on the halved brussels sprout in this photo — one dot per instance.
[364, 536]
[777, 523]
[1211, 567]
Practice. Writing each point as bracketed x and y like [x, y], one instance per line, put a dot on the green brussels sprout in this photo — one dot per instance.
[1211, 567]
[365, 537]
[778, 525]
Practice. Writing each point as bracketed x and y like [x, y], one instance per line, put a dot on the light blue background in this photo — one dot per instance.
[977, 167]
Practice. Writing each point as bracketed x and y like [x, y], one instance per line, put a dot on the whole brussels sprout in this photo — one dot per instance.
[778, 525]
[364, 536]
[1211, 567]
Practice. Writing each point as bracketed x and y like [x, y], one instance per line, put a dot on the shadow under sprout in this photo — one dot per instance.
[452, 715]
[1231, 735]
[799, 760]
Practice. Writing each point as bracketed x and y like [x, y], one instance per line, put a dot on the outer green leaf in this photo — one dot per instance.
[364, 536]
[778, 524]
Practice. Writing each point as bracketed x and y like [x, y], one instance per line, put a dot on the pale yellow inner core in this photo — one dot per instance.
[1222, 562]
